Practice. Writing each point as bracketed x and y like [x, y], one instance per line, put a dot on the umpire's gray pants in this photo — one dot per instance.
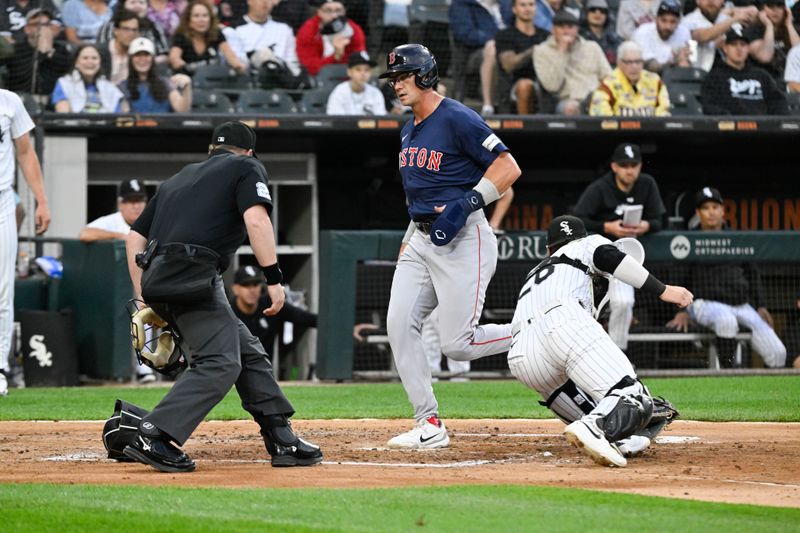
[223, 353]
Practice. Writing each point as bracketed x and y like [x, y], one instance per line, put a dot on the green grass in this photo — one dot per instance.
[500, 508]
[759, 398]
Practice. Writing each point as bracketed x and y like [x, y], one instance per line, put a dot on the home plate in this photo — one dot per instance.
[675, 439]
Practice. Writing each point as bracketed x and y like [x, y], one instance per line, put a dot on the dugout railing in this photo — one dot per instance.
[357, 266]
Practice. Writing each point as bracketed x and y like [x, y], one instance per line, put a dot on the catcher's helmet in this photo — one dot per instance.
[413, 58]
[564, 229]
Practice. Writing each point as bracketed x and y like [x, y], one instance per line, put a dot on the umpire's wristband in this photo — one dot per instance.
[273, 274]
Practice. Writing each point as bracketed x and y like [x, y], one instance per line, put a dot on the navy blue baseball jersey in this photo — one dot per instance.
[444, 156]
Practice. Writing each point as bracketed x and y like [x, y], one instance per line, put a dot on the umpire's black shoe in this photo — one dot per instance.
[159, 454]
[285, 447]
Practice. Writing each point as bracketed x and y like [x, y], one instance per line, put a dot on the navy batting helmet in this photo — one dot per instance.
[564, 229]
[413, 58]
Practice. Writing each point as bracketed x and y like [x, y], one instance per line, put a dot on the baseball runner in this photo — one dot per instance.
[15, 123]
[725, 292]
[452, 165]
[562, 352]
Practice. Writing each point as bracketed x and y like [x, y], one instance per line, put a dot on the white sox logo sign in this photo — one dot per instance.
[39, 351]
[565, 227]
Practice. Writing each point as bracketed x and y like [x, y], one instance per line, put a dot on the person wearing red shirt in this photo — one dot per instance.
[328, 37]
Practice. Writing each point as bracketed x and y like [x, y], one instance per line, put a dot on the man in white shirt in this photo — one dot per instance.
[131, 201]
[792, 73]
[664, 43]
[707, 25]
[356, 96]
[257, 37]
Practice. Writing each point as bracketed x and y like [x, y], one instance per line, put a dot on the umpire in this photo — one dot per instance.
[177, 249]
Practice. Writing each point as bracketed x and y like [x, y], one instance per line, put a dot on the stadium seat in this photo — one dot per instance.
[204, 101]
[30, 103]
[683, 75]
[265, 102]
[685, 99]
[332, 75]
[424, 11]
[429, 23]
[316, 102]
[220, 77]
[793, 100]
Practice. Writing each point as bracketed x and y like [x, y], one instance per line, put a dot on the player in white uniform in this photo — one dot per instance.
[15, 123]
[562, 352]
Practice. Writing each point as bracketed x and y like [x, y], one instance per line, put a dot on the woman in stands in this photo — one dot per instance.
[86, 89]
[146, 28]
[146, 91]
[198, 41]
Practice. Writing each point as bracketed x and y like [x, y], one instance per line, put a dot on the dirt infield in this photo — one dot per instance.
[728, 462]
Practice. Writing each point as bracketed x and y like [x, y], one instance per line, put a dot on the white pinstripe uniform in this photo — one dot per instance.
[725, 319]
[558, 340]
[14, 123]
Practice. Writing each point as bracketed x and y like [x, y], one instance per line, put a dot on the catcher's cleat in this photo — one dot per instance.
[428, 434]
[633, 445]
[285, 447]
[587, 437]
[159, 454]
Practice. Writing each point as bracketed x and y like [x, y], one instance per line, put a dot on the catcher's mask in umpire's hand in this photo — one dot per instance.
[564, 229]
[413, 58]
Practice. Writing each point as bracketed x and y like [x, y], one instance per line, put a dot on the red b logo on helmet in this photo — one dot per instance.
[391, 58]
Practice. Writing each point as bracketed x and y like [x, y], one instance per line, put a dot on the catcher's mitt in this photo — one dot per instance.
[663, 415]
[161, 352]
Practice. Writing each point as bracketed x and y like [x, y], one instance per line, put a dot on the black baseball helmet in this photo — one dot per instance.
[413, 58]
[564, 229]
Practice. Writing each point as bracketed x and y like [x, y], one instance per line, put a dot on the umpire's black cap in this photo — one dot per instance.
[235, 133]
[563, 229]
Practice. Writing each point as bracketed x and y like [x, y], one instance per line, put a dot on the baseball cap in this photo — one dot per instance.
[360, 58]
[707, 194]
[596, 4]
[248, 274]
[736, 33]
[235, 133]
[33, 13]
[671, 7]
[563, 229]
[141, 44]
[130, 189]
[565, 18]
[627, 153]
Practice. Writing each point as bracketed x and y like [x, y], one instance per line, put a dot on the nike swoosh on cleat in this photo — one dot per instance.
[426, 440]
[592, 431]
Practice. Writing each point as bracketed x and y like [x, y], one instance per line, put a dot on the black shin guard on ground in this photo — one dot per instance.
[284, 446]
[631, 414]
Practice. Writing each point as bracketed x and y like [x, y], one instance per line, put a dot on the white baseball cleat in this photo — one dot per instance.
[3, 385]
[429, 434]
[586, 436]
[633, 445]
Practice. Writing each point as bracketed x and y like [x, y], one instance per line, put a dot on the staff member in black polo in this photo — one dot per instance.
[203, 212]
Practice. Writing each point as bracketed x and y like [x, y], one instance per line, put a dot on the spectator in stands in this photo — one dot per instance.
[356, 96]
[568, 66]
[515, 54]
[86, 89]
[771, 38]
[328, 37]
[146, 28]
[258, 38]
[115, 51]
[664, 43]
[630, 91]
[83, 19]
[734, 87]
[728, 295]
[230, 11]
[41, 52]
[249, 302]
[474, 25]
[14, 17]
[596, 26]
[792, 74]
[291, 12]
[199, 41]
[605, 205]
[166, 14]
[547, 9]
[148, 92]
[707, 25]
[634, 13]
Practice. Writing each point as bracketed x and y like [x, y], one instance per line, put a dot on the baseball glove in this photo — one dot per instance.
[663, 415]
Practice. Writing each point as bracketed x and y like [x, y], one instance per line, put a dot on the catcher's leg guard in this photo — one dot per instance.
[284, 446]
[626, 409]
[569, 402]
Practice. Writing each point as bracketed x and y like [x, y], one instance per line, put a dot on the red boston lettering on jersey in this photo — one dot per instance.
[435, 160]
[412, 153]
[403, 157]
[421, 157]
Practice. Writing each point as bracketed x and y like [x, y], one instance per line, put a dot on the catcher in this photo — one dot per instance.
[559, 349]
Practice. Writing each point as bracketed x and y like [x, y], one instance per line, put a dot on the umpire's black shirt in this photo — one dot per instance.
[602, 202]
[203, 204]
